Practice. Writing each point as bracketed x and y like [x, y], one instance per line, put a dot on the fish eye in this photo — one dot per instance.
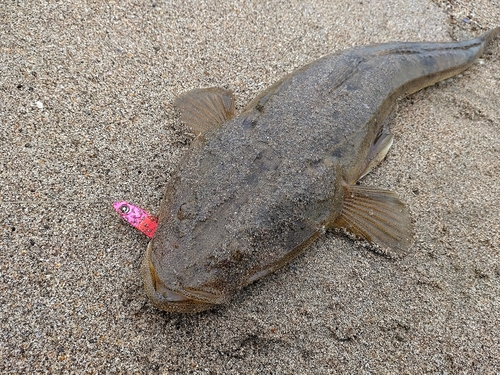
[125, 209]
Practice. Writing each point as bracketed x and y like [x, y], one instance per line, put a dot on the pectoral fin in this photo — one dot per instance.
[377, 216]
[205, 109]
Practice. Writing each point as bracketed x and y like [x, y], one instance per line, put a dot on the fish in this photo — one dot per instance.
[257, 188]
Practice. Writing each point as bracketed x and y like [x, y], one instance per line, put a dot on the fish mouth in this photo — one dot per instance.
[167, 299]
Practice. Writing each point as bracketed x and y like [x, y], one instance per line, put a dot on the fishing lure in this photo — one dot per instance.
[137, 217]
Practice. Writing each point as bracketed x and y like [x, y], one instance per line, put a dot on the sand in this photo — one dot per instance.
[87, 118]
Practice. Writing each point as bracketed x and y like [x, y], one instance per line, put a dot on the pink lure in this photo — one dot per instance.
[137, 217]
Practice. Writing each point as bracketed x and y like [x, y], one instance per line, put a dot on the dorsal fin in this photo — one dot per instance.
[205, 109]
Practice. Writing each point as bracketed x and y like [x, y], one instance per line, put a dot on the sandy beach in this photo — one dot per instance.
[87, 118]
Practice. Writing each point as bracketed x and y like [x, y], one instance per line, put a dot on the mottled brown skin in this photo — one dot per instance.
[253, 193]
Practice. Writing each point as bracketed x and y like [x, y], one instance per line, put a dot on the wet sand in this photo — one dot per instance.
[87, 118]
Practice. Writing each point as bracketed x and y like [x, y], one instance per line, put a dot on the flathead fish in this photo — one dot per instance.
[257, 188]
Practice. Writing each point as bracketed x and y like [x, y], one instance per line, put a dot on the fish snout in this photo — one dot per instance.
[165, 298]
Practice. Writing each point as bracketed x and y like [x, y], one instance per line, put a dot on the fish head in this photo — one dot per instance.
[178, 296]
[178, 268]
[172, 297]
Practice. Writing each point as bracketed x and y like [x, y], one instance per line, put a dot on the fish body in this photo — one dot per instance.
[256, 189]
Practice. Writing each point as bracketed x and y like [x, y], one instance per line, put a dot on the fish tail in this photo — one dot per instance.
[482, 41]
[440, 61]
[487, 36]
